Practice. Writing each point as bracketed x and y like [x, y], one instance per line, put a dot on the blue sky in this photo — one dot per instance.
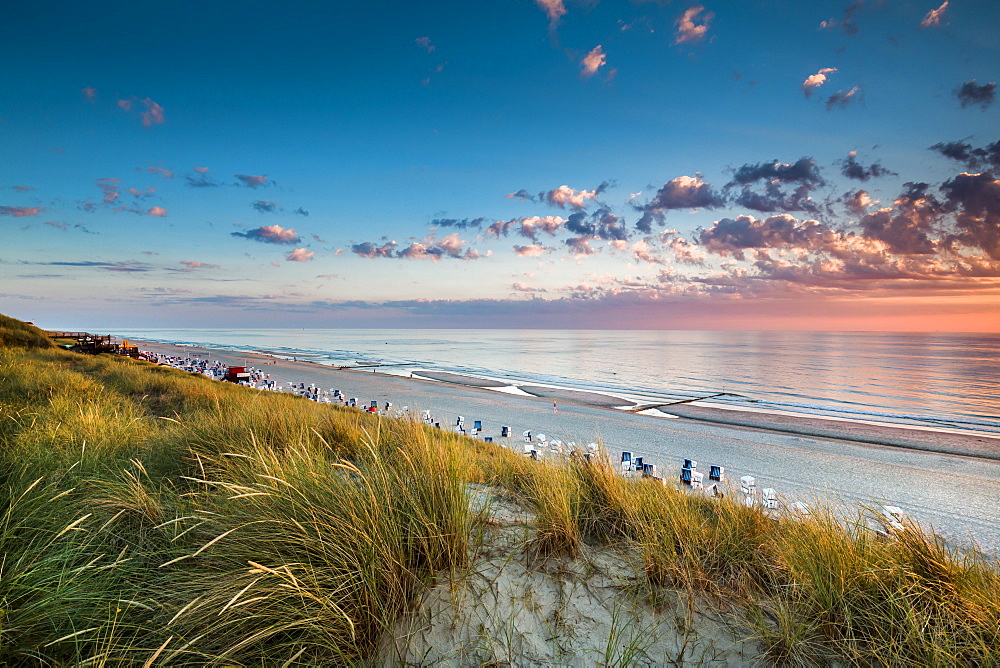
[551, 163]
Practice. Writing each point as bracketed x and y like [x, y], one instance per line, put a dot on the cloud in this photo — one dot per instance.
[906, 228]
[580, 246]
[853, 169]
[804, 172]
[272, 234]
[533, 250]
[157, 211]
[153, 115]
[428, 248]
[933, 18]
[251, 181]
[111, 189]
[592, 62]
[142, 194]
[847, 24]
[265, 206]
[977, 199]
[841, 98]
[969, 94]
[21, 211]
[125, 105]
[975, 159]
[425, 44]
[90, 93]
[128, 267]
[524, 287]
[683, 192]
[857, 202]
[522, 195]
[532, 225]
[554, 9]
[300, 255]
[564, 195]
[460, 223]
[201, 179]
[300, 212]
[161, 172]
[23, 189]
[814, 81]
[687, 29]
[191, 264]
[734, 236]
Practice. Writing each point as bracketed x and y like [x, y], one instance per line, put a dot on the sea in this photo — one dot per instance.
[947, 382]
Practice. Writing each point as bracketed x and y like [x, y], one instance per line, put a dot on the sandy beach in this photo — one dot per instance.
[947, 481]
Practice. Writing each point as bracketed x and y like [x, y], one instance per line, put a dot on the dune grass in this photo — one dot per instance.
[151, 516]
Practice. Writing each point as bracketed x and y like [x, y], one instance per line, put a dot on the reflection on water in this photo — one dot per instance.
[935, 377]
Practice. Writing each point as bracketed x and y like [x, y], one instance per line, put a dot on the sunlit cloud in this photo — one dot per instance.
[934, 17]
[192, 264]
[272, 234]
[300, 255]
[157, 211]
[814, 81]
[592, 62]
[425, 44]
[90, 93]
[564, 195]
[21, 211]
[554, 9]
[251, 181]
[687, 28]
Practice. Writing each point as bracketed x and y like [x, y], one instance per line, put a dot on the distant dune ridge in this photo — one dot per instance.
[160, 517]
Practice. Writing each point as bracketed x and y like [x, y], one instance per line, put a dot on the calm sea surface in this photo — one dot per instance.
[935, 380]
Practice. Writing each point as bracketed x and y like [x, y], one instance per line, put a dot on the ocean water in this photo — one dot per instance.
[949, 381]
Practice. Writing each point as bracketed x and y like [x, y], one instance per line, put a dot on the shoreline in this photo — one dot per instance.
[903, 436]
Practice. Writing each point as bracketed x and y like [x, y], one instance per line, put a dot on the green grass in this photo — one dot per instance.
[154, 515]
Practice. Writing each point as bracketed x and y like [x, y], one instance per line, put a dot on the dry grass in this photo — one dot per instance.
[150, 514]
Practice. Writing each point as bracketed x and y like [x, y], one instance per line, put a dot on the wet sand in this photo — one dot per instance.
[947, 481]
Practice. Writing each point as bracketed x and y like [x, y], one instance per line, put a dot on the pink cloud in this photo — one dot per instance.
[814, 81]
[533, 250]
[21, 211]
[110, 187]
[564, 195]
[201, 170]
[157, 211]
[592, 62]
[524, 287]
[125, 104]
[23, 189]
[161, 172]
[934, 17]
[91, 93]
[688, 30]
[300, 255]
[533, 224]
[554, 9]
[191, 264]
[251, 181]
[274, 234]
[61, 226]
[425, 44]
[153, 113]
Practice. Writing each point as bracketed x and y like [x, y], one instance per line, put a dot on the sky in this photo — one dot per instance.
[591, 164]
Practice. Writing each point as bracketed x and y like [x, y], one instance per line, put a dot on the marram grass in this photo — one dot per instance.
[154, 517]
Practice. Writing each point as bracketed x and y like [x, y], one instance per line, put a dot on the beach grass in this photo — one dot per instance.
[156, 517]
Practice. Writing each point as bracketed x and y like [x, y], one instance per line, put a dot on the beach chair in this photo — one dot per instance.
[504, 432]
[748, 485]
[697, 480]
[527, 435]
[769, 497]
[690, 464]
[686, 475]
[716, 473]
